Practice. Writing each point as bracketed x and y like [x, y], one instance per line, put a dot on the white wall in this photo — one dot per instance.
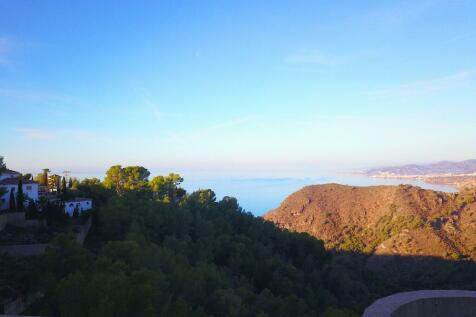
[82, 204]
[29, 190]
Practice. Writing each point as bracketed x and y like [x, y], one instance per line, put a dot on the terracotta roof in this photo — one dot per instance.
[14, 181]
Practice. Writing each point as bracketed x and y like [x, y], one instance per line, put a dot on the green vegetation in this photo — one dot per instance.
[3, 166]
[13, 206]
[20, 195]
[63, 185]
[165, 188]
[365, 241]
[30, 235]
[156, 250]
[127, 178]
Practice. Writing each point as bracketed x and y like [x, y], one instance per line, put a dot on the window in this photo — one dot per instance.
[28, 187]
[87, 203]
[71, 205]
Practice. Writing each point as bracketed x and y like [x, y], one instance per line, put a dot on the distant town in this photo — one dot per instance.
[458, 174]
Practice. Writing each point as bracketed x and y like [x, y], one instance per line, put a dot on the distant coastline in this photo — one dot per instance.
[461, 175]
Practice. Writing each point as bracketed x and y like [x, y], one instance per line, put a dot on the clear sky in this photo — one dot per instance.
[274, 88]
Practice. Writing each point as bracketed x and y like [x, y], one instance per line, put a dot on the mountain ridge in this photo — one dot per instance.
[442, 167]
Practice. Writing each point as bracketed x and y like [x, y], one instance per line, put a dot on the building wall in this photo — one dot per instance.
[434, 303]
[29, 190]
[438, 307]
[83, 231]
[82, 205]
[18, 219]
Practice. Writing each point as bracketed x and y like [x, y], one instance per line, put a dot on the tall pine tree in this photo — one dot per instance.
[20, 195]
[12, 200]
[3, 166]
[58, 185]
[63, 185]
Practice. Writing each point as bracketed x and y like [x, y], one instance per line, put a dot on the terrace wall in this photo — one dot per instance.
[435, 303]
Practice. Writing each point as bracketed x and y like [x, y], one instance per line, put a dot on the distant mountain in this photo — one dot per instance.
[383, 220]
[445, 167]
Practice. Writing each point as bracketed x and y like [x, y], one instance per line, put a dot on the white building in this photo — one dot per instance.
[9, 182]
[81, 204]
[9, 174]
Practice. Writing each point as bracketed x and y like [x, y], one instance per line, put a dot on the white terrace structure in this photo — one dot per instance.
[80, 204]
[9, 182]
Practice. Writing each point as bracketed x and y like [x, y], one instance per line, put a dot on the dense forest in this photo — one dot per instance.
[156, 250]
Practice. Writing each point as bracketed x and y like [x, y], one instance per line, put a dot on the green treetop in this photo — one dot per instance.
[165, 187]
[127, 178]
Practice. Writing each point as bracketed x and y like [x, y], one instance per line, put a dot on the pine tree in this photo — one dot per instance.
[20, 195]
[63, 185]
[12, 200]
[3, 166]
[70, 183]
[58, 185]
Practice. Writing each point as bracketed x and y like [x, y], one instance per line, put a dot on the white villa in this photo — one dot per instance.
[9, 182]
[81, 204]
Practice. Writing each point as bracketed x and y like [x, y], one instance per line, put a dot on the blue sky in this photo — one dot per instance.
[236, 88]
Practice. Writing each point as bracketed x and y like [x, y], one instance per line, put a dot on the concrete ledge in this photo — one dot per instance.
[435, 303]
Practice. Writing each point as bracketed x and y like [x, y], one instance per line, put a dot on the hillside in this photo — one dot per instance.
[156, 250]
[383, 220]
[444, 167]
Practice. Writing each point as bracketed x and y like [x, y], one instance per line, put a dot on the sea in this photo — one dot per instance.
[259, 195]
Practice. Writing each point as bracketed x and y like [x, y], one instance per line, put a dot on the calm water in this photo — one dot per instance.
[263, 194]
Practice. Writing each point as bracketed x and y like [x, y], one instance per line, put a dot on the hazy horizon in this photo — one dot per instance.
[236, 89]
[261, 194]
